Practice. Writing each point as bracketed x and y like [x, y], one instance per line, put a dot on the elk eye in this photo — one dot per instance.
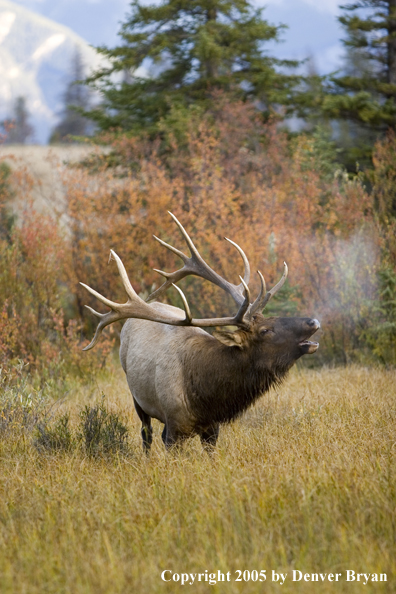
[264, 331]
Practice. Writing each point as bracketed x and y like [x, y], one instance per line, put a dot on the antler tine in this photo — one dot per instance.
[262, 301]
[196, 265]
[105, 320]
[130, 291]
[172, 249]
[263, 290]
[186, 236]
[101, 298]
[185, 303]
[246, 274]
[245, 305]
[174, 277]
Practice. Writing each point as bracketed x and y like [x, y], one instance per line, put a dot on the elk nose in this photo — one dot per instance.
[314, 323]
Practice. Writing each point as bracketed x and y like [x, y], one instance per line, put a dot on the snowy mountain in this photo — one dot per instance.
[35, 60]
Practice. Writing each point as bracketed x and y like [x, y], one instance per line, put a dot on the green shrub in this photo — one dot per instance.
[21, 406]
[98, 433]
[101, 432]
[56, 438]
[381, 334]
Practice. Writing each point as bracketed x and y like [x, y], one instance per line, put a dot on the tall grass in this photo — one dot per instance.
[305, 480]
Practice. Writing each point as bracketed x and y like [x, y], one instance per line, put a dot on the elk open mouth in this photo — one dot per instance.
[308, 346]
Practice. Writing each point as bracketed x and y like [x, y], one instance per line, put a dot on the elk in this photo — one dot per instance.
[183, 376]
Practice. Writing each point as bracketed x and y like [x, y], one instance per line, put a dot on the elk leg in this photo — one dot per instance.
[147, 430]
[209, 437]
[171, 438]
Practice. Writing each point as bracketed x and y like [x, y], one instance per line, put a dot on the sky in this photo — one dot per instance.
[313, 30]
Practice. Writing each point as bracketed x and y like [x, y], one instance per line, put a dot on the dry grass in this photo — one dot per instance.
[305, 480]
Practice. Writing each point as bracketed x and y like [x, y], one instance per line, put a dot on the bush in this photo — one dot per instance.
[38, 320]
[21, 406]
[56, 438]
[233, 175]
[381, 334]
[101, 431]
[98, 433]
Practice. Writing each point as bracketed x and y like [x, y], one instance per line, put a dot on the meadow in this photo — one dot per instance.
[304, 481]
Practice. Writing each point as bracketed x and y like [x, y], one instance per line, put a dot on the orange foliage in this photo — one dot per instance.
[33, 296]
[230, 175]
[233, 176]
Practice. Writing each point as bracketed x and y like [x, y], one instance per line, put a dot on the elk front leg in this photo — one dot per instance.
[147, 430]
[171, 437]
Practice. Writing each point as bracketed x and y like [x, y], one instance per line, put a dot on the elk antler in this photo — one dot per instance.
[135, 307]
[195, 265]
[264, 296]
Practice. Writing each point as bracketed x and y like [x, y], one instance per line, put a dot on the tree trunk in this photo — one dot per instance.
[392, 42]
[211, 66]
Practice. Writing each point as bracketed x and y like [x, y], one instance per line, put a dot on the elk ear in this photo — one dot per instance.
[236, 338]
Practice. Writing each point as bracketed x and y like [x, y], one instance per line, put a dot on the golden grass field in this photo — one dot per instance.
[305, 481]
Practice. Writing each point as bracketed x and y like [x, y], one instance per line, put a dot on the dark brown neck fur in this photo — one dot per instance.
[222, 381]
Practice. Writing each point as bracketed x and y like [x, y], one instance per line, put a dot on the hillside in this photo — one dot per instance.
[45, 165]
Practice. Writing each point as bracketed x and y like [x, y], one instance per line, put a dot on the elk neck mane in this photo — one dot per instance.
[221, 382]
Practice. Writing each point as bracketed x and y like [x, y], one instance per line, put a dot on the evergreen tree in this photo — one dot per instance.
[76, 99]
[179, 52]
[363, 97]
[17, 127]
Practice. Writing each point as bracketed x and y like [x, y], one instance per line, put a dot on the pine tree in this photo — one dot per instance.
[17, 127]
[76, 99]
[179, 52]
[363, 98]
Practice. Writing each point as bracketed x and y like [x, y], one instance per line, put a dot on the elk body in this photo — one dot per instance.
[188, 379]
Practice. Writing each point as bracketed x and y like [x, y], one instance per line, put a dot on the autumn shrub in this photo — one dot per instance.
[37, 322]
[223, 172]
[21, 405]
[232, 175]
[383, 178]
[102, 432]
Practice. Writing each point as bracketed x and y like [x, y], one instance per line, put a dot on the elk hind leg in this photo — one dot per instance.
[147, 430]
[209, 437]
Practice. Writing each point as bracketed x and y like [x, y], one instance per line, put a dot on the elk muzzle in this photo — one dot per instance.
[307, 346]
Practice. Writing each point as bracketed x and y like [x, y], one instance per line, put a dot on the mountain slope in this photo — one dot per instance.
[35, 57]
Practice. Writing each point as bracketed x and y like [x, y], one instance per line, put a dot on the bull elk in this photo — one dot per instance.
[186, 378]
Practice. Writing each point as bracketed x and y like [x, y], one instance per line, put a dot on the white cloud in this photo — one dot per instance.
[6, 21]
[328, 6]
[49, 45]
[13, 72]
[330, 59]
